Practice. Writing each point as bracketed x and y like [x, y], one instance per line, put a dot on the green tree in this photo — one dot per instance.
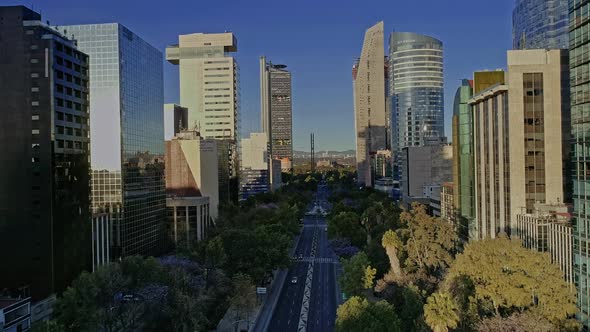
[440, 312]
[512, 279]
[354, 278]
[391, 242]
[214, 256]
[429, 243]
[357, 314]
[347, 225]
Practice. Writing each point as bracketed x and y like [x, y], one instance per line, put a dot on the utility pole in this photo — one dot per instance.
[312, 168]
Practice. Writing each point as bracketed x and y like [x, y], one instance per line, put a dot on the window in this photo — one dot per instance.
[59, 88]
[34, 103]
[60, 116]
[35, 131]
[34, 89]
[34, 61]
[78, 119]
[60, 129]
[70, 144]
[35, 117]
[70, 131]
[78, 132]
[60, 143]
[35, 160]
[34, 75]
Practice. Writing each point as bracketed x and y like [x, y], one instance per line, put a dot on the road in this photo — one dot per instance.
[315, 252]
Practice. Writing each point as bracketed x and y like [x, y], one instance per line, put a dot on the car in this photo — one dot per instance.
[294, 280]
[300, 256]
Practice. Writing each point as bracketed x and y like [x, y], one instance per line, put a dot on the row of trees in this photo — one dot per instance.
[403, 265]
[192, 288]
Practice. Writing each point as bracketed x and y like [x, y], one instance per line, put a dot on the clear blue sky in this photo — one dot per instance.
[318, 40]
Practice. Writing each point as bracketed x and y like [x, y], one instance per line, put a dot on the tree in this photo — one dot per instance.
[440, 312]
[214, 255]
[354, 278]
[391, 242]
[347, 225]
[429, 243]
[357, 314]
[244, 296]
[509, 278]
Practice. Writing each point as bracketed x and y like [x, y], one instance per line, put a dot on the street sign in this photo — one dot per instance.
[260, 290]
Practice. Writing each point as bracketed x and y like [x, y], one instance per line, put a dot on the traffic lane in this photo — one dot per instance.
[288, 309]
[323, 303]
[305, 243]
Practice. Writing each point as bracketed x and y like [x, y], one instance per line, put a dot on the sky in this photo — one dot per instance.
[318, 40]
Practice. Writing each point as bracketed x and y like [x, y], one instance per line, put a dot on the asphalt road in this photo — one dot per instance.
[323, 301]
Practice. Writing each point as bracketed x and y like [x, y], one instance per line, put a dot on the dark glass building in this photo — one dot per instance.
[127, 126]
[540, 24]
[579, 48]
[416, 91]
[44, 156]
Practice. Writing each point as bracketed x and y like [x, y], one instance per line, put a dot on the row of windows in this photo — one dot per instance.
[69, 117]
[71, 144]
[218, 68]
[217, 96]
[71, 105]
[71, 92]
[61, 75]
[72, 131]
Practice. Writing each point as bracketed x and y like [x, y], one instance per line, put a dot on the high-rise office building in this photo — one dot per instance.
[276, 110]
[463, 172]
[126, 125]
[519, 141]
[209, 88]
[259, 172]
[540, 24]
[44, 156]
[368, 74]
[579, 48]
[416, 90]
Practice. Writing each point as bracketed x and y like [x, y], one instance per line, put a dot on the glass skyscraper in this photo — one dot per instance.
[579, 47]
[127, 134]
[416, 90]
[540, 24]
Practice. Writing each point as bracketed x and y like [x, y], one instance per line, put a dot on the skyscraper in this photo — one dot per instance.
[463, 172]
[276, 110]
[368, 74]
[127, 130]
[540, 24]
[580, 122]
[209, 88]
[416, 90]
[44, 156]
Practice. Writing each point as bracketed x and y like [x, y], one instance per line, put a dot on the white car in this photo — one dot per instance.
[294, 280]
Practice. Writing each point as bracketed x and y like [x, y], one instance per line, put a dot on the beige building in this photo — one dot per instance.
[369, 102]
[209, 88]
[191, 169]
[548, 229]
[518, 140]
[259, 172]
[208, 82]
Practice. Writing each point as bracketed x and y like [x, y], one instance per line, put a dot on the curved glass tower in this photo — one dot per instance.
[540, 24]
[416, 89]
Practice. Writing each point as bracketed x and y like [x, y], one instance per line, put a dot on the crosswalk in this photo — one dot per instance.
[316, 260]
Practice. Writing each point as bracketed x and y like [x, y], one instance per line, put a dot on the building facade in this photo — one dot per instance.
[15, 314]
[463, 170]
[44, 156]
[191, 169]
[416, 90]
[259, 172]
[447, 205]
[548, 229]
[540, 24]
[187, 219]
[421, 166]
[276, 110]
[175, 120]
[369, 102]
[209, 88]
[126, 125]
[579, 50]
[512, 170]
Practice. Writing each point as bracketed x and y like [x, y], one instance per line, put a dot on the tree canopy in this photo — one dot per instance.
[359, 315]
